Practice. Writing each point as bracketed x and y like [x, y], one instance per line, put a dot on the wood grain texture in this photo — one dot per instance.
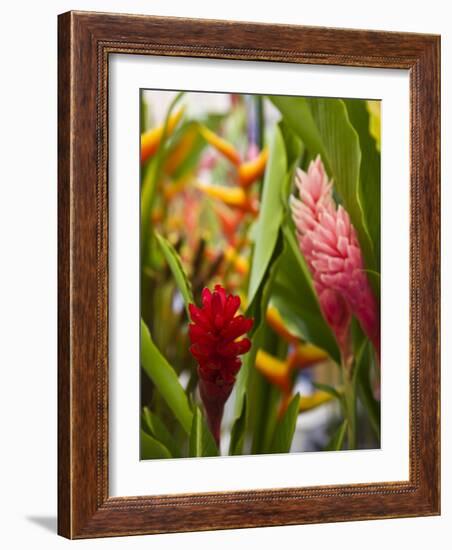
[85, 42]
[64, 295]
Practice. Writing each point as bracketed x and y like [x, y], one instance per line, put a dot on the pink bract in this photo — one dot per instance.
[329, 243]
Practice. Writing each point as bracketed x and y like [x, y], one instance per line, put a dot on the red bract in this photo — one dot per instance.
[214, 334]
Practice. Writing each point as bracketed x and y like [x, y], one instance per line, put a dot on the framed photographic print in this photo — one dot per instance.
[248, 275]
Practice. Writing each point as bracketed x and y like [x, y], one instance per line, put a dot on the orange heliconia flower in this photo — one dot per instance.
[252, 170]
[231, 196]
[247, 171]
[151, 139]
[220, 144]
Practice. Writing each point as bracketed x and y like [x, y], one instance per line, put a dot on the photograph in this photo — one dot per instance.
[224, 238]
[259, 274]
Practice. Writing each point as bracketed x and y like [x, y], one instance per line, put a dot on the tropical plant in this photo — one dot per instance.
[260, 286]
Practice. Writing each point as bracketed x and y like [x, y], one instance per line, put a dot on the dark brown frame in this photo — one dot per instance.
[85, 41]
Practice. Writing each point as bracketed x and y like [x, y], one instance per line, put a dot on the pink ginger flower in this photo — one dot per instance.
[330, 246]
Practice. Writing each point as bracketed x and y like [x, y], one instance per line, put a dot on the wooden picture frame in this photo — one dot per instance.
[85, 42]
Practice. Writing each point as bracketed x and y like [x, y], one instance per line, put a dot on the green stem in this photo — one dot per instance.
[350, 409]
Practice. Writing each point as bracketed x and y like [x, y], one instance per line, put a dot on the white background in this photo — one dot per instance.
[28, 271]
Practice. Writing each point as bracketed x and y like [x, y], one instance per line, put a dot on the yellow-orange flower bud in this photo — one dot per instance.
[220, 144]
[306, 355]
[276, 371]
[251, 171]
[232, 196]
[151, 139]
[276, 322]
[240, 264]
[309, 402]
[180, 151]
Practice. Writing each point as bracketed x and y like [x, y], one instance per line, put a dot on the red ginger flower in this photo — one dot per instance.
[330, 246]
[214, 334]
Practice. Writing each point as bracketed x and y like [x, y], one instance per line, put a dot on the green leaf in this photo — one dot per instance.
[324, 127]
[328, 389]
[165, 379]
[350, 385]
[268, 247]
[238, 432]
[294, 296]
[364, 388]
[298, 116]
[285, 429]
[257, 309]
[144, 113]
[266, 416]
[190, 161]
[370, 169]
[294, 148]
[337, 441]
[293, 293]
[148, 192]
[375, 282]
[156, 428]
[202, 442]
[270, 215]
[151, 448]
[264, 396]
[175, 264]
[293, 145]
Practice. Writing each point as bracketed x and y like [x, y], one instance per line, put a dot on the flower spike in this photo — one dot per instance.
[329, 243]
[215, 333]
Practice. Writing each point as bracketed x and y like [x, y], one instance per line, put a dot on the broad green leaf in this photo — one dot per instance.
[241, 383]
[155, 427]
[267, 252]
[294, 296]
[165, 379]
[293, 293]
[257, 309]
[175, 264]
[264, 396]
[238, 432]
[285, 429]
[294, 149]
[151, 448]
[202, 442]
[293, 270]
[337, 441]
[270, 417]
[293, 145]
[374, 108]
[271, 213]
[324, 127]
[298, 116]
[370, 169]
